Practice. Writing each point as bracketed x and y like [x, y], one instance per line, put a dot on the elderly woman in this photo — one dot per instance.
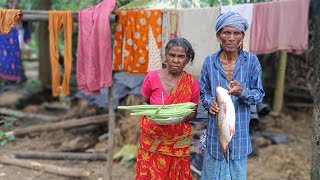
[239, 72]
[164, 149]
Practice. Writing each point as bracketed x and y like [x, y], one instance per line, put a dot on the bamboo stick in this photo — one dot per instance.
[279, 90]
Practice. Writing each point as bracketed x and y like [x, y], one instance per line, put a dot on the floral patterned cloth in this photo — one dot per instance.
[131, 39]
[10, 61]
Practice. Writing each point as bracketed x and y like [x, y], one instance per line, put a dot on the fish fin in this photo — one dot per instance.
[231, 130]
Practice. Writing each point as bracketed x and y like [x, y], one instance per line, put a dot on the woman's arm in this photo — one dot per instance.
[145, 90]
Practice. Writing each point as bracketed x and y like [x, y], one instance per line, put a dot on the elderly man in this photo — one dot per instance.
[239, 72]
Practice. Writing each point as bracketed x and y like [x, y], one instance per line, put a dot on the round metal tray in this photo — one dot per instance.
[167, 121]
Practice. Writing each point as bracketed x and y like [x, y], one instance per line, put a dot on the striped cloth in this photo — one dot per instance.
[220, 169]
[231, 19]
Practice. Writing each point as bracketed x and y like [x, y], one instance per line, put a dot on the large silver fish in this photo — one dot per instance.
[225, 120]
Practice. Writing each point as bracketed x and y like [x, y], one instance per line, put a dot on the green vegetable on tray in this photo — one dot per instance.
[161, 111]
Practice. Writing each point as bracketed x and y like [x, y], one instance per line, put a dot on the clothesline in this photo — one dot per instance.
[42, 15]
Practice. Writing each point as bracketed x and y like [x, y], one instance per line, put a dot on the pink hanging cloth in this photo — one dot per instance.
[280, 25]
[94, 53]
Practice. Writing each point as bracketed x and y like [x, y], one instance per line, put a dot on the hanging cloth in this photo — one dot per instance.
[191, 25]
[60, 20]
[94, 54]
[154, 52]
[10, 61]
[169, 28]
[280, 25]
[131, 39]
[26, 32]
[9, 18]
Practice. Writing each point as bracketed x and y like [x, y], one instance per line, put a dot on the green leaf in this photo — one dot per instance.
[3, 142]
[2, 134]
[10, 137]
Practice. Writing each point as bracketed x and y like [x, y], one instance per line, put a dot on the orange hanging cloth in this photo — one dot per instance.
[60, 20]
[131, 39]
[8, 19]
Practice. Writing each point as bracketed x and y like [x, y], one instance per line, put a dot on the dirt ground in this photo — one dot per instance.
[288, 161]
[284, 161]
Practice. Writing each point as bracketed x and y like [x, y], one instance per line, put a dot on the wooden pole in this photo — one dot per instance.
[20, 114]
[41, 15]
[59, 170]
[279, 90]
[44, 68]
[60, 155]
[108, 171]
[60, 125]
[111, 135]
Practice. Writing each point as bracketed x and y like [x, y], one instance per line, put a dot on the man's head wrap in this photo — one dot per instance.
[231, 19]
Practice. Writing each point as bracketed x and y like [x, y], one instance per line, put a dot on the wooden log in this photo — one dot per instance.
[41, 15]
[59, 170]
[20, 114]
[300, 105]
[60, 155]
[60, 125]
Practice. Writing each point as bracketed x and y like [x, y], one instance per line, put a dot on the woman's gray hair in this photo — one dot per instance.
[181, 42]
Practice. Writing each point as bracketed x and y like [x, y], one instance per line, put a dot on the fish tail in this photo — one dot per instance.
[226, 154]
[227, 158]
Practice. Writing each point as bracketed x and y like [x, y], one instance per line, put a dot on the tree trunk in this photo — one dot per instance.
[315, 55]
[43, 45]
